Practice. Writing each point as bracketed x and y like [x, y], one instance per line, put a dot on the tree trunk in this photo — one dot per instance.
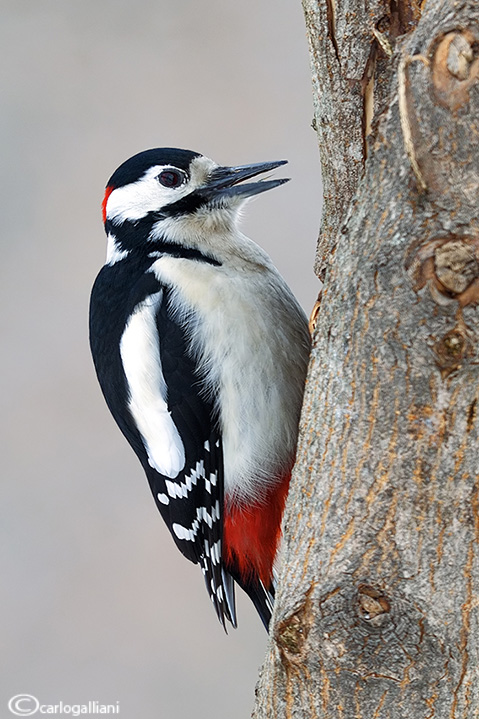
[378, 599]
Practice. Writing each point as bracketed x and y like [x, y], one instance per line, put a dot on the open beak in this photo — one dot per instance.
[224, 181]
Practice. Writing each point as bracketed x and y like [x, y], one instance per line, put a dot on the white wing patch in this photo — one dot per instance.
[182, 489]
[189, 534]
[202, 515]
[140, 356]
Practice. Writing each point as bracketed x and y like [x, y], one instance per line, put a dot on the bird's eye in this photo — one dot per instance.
[171, 178]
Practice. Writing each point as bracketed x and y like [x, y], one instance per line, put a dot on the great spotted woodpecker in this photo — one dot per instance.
[201, 350]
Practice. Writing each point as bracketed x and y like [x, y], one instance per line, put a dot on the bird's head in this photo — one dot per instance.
[171, 192]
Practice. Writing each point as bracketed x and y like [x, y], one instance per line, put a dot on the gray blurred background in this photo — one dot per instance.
[97, 604]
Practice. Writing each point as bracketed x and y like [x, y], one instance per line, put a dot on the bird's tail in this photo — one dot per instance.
[251, 537]
[261, 596]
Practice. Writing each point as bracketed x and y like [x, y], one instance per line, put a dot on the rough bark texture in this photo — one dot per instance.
[377, 611]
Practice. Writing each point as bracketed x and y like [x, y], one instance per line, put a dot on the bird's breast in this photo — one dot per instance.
[245, 331]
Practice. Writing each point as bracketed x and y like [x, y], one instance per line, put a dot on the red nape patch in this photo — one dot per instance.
[251, 534]
[108, 192]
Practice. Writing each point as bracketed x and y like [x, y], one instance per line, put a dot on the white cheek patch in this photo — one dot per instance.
[136, 200]
[140, 356]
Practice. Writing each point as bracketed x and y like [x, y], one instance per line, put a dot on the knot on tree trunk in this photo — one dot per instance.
[450, 268]
[374, 632]
[455, 68]
[291, 634]
[373, 605]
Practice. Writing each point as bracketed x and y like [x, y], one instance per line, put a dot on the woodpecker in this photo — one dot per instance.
[201, 349]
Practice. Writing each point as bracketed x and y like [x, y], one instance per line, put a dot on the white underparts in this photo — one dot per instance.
[250, 340]
[140, 356]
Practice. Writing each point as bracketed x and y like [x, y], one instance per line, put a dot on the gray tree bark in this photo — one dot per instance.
[377, 610]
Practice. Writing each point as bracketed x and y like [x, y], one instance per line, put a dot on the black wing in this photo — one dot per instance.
[192, 503]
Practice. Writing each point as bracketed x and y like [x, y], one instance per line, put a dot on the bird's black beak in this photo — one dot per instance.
[224, 181]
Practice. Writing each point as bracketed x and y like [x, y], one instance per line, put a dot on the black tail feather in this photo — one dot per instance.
[261, 596]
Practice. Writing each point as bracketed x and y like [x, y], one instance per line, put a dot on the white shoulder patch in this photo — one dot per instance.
[113, 252]
[140, 356]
